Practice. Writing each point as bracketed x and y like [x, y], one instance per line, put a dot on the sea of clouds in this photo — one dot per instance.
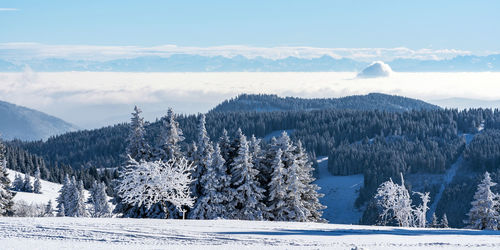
[94, 99]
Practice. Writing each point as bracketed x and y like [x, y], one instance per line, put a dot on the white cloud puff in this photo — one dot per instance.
[376, 69]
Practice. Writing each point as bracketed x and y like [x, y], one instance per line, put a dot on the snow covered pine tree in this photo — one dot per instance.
[484, 214]
[6, 196]
[99, 200]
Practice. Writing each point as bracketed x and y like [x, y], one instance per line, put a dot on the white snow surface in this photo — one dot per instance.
[340, 194]
[50, 191]
[113, 233]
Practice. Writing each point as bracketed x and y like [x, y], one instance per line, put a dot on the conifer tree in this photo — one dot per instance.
[444, 222]
[18, 183]
[99, 200]
[61, 210]
[216, 193]
[203, 156]
[80, 209]
[248, 201]
[137, 147]
[27, 186]
[170, 137]
[225, 146]
[483, 213]
[65, 195]
[37, 184]
[310, 195]
[6, 196]
[434, 223]
[278, 190]
[49, 210]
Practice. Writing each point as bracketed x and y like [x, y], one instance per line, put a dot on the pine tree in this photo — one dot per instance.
[444, 222]
[296, 206]
[248, 201]
[27, 186]
[37, 185]
[203, 156]
[18, 183]
[434, 223]
[6, 196]
[225, 146]
[61, 210]
[49, 210]
[99, 200]
[171, 136]
[137, 147]
[310, 194]
[216, 193]
[278, 190]
[483, 214]
[80, 209]
[64, 196]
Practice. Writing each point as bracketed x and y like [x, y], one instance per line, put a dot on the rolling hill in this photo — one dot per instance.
[373, 101]
[17, 122]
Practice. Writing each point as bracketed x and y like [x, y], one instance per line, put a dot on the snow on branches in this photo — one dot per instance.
[150, 183]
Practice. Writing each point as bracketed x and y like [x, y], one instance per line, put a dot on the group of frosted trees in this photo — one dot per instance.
[72, 202]
[25, 185]
[395, 203]
[396, 207]
[231, 178]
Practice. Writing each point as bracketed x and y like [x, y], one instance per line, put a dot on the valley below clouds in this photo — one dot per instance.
[94, 99]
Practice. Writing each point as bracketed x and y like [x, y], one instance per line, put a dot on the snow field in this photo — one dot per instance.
[113, 233]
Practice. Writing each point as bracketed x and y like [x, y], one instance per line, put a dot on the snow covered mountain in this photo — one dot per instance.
[239, 63]
[17, 122]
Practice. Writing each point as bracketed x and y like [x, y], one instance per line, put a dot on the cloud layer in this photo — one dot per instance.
[23, 51]
[93, 99]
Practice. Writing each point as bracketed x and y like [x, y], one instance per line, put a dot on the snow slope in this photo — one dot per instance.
[50, 191]
[340, 194]
[112, 233]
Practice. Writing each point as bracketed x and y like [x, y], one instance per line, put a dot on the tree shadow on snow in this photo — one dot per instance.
[347, 232]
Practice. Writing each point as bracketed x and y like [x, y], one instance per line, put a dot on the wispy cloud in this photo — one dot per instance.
[19, 51]
[8, 9]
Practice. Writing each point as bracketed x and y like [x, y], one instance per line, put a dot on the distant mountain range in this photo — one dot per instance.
[17, 122]
[373, 101]
[198, 63]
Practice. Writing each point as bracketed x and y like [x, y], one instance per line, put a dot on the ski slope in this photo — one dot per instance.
[113, 233]
[340, 194]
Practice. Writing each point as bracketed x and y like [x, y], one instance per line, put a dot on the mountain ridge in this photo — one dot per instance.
[23, 123]
[371, 101]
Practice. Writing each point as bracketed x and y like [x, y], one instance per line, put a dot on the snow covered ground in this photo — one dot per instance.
[340, 194]
[50, 191]
[112, 233]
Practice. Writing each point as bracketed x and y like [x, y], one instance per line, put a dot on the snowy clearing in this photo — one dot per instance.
[90, 233]
[50, 191]
[340, 194]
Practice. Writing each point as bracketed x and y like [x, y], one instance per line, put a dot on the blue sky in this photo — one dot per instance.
[447, 24]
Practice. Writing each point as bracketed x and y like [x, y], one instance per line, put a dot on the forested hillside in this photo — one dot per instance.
[378, 144]
[373, 101]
